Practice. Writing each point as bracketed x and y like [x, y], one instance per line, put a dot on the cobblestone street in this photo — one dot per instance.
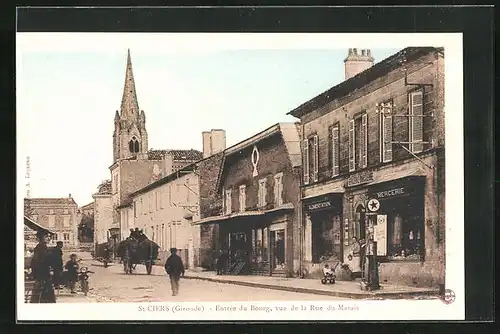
[112, 285]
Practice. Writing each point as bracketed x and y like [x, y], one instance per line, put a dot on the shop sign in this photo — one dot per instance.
[320, 206]
[380, 235]
[373, 205]
[359, 178]
[395, 192]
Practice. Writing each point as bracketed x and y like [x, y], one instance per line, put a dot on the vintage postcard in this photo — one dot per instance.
[240, 176]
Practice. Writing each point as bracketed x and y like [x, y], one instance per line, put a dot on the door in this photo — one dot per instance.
[277, 250]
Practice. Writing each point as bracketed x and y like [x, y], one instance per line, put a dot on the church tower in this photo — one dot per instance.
[130, 138]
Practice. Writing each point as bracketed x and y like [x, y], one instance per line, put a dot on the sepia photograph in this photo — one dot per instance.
[239, 176]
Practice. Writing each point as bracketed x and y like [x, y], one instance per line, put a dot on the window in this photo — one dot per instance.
[415, 133]
[358, 143]
[135, 209]
[162, 239]
[242, 198]
[170, 195]
[227, 202]
[133, 145]
[335, 150]
[278, 189]
[161, 197]
[188, 190]
[66, 236]
[385, 131]
[150, 202]
[311, 159]
[55, 236]
[262, 193]
[66, 221]
[156, 201]
[52, 222]
[142, 207]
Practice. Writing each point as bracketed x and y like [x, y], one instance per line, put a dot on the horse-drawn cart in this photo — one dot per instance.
[134, 251]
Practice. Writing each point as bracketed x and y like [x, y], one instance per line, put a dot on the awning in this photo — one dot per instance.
[256, 213]
[36, 227]
[388, 177]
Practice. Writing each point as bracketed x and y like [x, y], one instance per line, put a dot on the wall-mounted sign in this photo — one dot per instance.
[359, 178]
[319, 206]
[395, 192]
[380, 235]
[373, 205]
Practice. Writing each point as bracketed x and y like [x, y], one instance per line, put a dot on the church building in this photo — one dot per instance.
[134, 166]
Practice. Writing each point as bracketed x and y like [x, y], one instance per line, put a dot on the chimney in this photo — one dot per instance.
[357, 62]
[214, 141]
[69, 195]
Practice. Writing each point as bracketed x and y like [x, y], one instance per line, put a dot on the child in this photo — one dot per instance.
[327, 271]
[72, 268]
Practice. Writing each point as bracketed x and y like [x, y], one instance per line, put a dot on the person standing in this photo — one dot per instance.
[174, 268]
[41, 267]
[72, 268]
[356, 258]
[57, 253]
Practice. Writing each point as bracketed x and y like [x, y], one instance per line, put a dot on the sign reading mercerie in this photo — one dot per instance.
[391, 192]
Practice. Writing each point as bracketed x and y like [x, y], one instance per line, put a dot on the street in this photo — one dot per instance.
[112, 285]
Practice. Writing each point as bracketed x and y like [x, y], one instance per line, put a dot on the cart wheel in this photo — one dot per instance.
[149, 267]
[332, 281]
[323, 281]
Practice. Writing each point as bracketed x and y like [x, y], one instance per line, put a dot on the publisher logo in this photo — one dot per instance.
[449, 296]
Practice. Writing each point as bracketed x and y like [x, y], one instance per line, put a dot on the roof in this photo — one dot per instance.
[35, 226]
[182, 155]
[51, 201]
[376, 71]
[89, 206]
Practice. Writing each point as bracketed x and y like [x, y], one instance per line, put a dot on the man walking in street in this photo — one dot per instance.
[174, 268]
[42, 265]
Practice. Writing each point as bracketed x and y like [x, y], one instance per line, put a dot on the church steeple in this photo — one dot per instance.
[130, 137]
[129, 107]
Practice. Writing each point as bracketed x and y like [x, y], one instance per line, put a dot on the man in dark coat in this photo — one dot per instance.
[174, 268]
[57, 254]
[41, 265]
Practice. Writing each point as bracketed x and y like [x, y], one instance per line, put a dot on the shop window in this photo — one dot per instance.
[262, 193]
[311, 158]
[405, 236]
[322, 238]
[335, 150]
[278, 189]
[242, 198]
[415, 111]
[385, 131]
[358, 142]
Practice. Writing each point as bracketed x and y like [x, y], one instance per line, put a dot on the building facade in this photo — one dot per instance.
[259, 186]
[373, 156]
[103, 215]
[58, 215]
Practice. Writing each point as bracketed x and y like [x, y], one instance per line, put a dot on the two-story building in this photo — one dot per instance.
[259, 187]
[58, 215]
[373, 157]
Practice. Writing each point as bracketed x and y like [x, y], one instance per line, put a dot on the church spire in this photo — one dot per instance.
[130, 106]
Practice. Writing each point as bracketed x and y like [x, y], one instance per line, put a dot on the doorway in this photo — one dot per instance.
[277, 239]
[360, 222]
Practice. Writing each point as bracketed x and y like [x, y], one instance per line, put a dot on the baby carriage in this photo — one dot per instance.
[329, 276]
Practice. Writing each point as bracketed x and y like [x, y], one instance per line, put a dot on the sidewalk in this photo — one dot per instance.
[342, 289]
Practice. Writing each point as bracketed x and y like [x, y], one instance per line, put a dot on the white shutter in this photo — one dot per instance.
[352, 147]
[316, 157]
[335, 151]
[364, 141]
[387, 135]
[416, 122]
[306, 161]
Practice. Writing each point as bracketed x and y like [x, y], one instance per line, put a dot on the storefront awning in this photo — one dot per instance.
[256, 213]
[388, 177]
[36, 227]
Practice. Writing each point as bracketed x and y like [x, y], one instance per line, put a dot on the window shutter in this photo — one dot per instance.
[364, 140]
[335, 150]
[306, 162]
[316, 157]
[387, 135]
[352, 148]
[416, 122]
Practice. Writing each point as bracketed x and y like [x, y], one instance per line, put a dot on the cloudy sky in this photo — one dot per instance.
[69, 86]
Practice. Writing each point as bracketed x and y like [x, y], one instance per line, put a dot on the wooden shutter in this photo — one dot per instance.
[305, 165]
[364, 141]
[416, 121]
[335, 151]
[352, 146]
[315, 157]
[387, 135]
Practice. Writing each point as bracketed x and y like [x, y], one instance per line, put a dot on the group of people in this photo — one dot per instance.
[48, 272]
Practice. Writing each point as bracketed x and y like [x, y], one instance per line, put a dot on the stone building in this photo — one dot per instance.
[134, 165]
[373, 155]
[259, 186]
[103, 214]
[58, 215]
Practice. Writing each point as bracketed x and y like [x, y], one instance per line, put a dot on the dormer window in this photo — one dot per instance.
[133, 145]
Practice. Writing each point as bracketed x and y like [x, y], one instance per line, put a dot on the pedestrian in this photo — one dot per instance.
[72, 267]
[174, 269]
[220, 262]
[41, 268]
[57, 254]
[356, 258]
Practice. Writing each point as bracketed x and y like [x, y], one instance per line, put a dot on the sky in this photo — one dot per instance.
[69, 86]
